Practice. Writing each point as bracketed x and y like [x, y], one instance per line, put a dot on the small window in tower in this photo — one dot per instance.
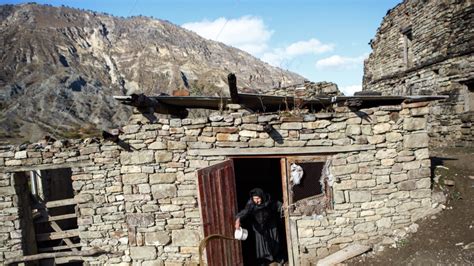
[408, 33]
[407, 46]
[470, 85]
[469, 103]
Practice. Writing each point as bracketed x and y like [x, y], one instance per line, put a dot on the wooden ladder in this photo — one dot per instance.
[58, 233]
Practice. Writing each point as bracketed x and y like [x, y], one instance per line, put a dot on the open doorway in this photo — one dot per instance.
[48, 214]
[264, 173]
[56, 220]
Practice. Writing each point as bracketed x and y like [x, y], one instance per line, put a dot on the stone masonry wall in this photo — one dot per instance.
[10, 231]
[437, 60]
[377, 190]
[138, 198]
[306, 90]
[97, 186]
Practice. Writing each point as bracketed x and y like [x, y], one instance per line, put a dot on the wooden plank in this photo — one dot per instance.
[58, 248]
[67, 260]
[88, 252]
[343, 254]
[11, 169]
[58, 229]
[60, 203]
[57, 235]
[294, 241]
[279, 150]
[306, 159]
[385, 98]
[56, 218]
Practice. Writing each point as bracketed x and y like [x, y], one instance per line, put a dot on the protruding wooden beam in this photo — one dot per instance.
[144, 103]
[234, 94]
[89, 252]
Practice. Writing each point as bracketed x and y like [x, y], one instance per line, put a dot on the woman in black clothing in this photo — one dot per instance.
[264, 215]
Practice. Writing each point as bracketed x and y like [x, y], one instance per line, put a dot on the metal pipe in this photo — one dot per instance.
[34, 188]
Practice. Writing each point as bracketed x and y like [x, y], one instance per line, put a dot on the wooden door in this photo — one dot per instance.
[218, 202]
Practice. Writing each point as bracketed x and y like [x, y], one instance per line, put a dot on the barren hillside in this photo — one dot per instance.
[60, 67]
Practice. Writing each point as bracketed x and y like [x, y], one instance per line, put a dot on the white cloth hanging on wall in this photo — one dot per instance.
[296, 173]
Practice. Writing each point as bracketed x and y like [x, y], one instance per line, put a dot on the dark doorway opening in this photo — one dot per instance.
[264, 173]
[48, 214]
[55, 187]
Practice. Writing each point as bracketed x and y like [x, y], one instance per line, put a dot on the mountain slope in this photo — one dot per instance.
[60, 67]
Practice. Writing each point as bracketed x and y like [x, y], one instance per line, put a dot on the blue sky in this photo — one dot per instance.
[322, 40]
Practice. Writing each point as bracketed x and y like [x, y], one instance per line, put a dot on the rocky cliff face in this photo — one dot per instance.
[61, 66]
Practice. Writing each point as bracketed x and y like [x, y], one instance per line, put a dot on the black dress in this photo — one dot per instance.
[265, 221]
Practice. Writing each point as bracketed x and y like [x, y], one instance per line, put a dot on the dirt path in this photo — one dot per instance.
[443, 238]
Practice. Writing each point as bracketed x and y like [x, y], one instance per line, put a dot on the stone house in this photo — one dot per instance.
[426, 48]
[149, 196]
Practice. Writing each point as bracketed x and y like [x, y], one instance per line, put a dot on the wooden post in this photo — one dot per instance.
[284, 183]
[28, 229]
[234, 94]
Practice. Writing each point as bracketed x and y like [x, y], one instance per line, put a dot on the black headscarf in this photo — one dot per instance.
[266, 200]
[258, 192]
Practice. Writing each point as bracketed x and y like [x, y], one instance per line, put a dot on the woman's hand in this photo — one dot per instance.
[237, 223]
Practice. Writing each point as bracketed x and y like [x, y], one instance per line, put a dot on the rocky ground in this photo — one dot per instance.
[444, 238]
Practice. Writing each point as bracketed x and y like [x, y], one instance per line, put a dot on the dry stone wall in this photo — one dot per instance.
[306, 90]
[98, 193]
[138, 198]
[426, 48]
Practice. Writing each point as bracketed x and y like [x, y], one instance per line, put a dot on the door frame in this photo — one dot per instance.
[290, 227]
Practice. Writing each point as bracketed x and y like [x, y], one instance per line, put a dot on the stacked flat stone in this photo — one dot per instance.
[441, 62]
[306, 90]
[139, 201]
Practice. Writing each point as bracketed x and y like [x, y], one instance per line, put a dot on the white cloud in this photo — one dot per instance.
[349, 90]
[247, 33]
[337, 62]
[277, 56]
[312, 46]
[250, 34]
